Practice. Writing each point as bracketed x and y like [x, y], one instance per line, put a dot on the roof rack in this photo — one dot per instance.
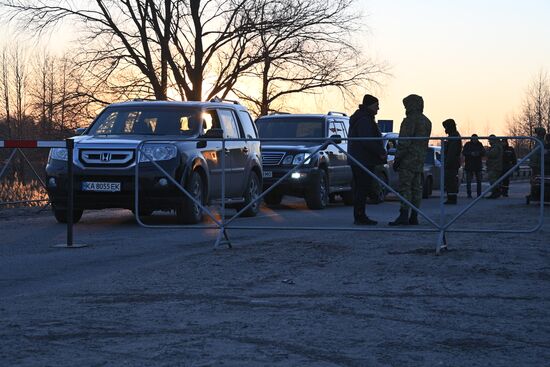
[217, 99]
[330, 113]
[280, 113]
[142, 100]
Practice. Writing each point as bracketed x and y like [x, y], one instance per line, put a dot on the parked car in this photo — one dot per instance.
[432, 167]
[326, 175]
[105, 157]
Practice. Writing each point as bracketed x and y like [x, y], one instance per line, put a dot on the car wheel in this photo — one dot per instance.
[251, 194]
[382, 191]
[347, 197]
[317, 196]
[273, 198]
[427, 188]
[61, 215]
[190, 212]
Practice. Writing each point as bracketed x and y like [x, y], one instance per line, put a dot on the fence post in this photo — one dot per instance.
[442, 240]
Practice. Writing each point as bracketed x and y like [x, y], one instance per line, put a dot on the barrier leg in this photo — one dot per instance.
[70, 198]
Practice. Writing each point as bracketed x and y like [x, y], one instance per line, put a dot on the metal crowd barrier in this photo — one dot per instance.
[441, 228]
[17, 145]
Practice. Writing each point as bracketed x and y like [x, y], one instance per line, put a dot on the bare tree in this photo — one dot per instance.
[164, 44]
[305, 46]
[6, 90]
[535, 111]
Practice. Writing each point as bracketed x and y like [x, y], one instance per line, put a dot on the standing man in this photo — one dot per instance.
[410, 157]
[534, 161]
[452, 149]
[494, 164]
[473, 152]
[369, 153]
[509, 160]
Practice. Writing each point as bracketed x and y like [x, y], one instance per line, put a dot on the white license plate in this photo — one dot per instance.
[268, 174]
[101, 186]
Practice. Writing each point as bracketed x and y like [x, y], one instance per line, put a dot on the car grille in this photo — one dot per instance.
[106, 157]
[272, 158]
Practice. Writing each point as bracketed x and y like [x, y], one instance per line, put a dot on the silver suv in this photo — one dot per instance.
[105, 158]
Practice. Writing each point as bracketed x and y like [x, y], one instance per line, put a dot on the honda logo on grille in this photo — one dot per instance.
[105, 157]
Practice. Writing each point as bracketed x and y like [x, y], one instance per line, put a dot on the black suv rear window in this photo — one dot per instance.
[291, 127]
[147, 121]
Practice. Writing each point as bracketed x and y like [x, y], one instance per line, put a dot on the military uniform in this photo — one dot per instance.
[410, 157]
[534, 161]
[509, 160]
[494, 164]
[452, 149]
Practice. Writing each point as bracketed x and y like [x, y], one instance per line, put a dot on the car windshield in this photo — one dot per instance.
[143, 120]
[291, 127]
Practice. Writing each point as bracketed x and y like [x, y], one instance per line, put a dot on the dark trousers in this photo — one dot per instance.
[361, 185]
[469, 176]
[505, 184]
[451, 181]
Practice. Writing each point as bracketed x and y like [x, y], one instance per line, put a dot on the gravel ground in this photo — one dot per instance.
[303, 299]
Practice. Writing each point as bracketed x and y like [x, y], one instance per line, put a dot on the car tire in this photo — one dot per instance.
[317, 196]
[427, 188]
[273, 198]
[347, 197]
[251, 193]
[189, 212]
[61, 215]
[382, 191]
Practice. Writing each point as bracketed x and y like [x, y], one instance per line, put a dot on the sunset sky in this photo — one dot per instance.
[470, 60]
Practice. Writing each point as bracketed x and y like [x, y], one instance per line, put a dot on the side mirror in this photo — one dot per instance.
[80, 130]
[336, 138]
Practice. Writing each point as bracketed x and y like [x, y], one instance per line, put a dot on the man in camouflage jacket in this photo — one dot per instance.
[452, 149]
[410, 157]
[494, 164]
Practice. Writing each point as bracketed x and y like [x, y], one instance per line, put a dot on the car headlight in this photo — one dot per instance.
[61, 154]
[288, 159]
[299, 158]
[157, 152]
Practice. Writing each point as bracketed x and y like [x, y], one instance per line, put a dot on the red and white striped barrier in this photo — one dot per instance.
[32, 144]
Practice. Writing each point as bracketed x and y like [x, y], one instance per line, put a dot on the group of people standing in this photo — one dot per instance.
[409, 157]
[411, 154]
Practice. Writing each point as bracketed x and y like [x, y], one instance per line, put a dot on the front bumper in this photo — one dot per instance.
[296, 184]
[152, 194]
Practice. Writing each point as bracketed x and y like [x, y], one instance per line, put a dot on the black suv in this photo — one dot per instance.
[105, 156]
[326, 175]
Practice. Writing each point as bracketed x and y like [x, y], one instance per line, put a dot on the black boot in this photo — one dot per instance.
[413, 219]
[451, 199]
[403, 218]
[365, 221]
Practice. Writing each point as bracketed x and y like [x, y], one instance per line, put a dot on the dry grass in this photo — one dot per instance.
[17, 190]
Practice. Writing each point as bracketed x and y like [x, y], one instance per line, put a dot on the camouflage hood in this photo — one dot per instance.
[413, 103]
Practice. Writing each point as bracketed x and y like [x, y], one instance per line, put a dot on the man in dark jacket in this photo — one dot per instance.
[452, 149]
[509, 160]
[369, 153]
[473, 152]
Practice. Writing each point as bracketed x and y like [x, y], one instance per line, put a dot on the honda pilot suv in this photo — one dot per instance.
[105, 158]
[327, 172]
